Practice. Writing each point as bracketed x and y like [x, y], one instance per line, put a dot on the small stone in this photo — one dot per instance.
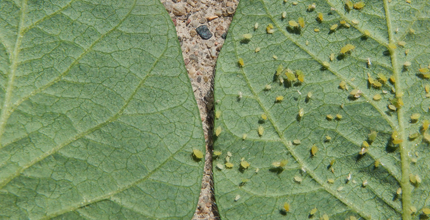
[193, 33]
[204, 32]
[202, 20]
[179, 9]
[230, 10]
[194, 58]
[219, 30]
[218, 13]
[168, 6]
[224, 36]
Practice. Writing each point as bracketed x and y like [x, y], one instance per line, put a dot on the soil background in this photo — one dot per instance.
[200, 58]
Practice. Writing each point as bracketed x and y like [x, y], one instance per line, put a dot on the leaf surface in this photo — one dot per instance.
[98, 119]
[320, 125]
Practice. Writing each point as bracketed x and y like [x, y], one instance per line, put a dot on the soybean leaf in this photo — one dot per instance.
[98, 119]
[354, 132]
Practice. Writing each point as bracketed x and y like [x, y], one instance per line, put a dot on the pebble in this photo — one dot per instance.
[218, 13]
[194, 23]
[204, 32]
[179, 9]
[230, 10]
[224, 36]
[194, 58]
[202, 20]
[193, 33]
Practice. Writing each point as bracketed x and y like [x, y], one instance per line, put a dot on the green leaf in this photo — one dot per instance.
[333, 123]
[98, 119]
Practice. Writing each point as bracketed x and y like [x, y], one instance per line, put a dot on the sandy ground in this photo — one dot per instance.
[200, 58]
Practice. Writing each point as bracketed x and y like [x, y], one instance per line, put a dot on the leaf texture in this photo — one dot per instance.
[98, 119]
[326, 88]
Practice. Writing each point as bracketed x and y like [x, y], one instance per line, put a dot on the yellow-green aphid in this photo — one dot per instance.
[218, 131]
[347, 48]
[293, 24]
[415, 117]
[332, 162]
[302, 22]
[240, 62]
[247, 36]
[412, 178]
[343, 22]
[356, 93]
[406, 52]
[217, 153]
[296, 142]
[329, 117]
[298, 179]
[414, 135]
[426, 211]
[425, 126]
[312, 7]
[411, 31]
[427, 88]
[392, 107]
[284, 14]
[313, 211]
[396, 138]
[264, 116]
[279, 98]
[348, 5]
[332, 57]
[331, 181]
[327, 138]
[301, 112]
[309, 95]
[377, 84]
[352, 218]
[290, 75]
[365, 144]
[334, 27]
[359, 5]
[295, 3]
[338, 116]
[229, 165]
[279, 69]
[300, 75]
[392, 46]
[260, 130]
[269, 29]
[413, 209]
[317, 30]
[197, 154]
[286, 206]
[343, 85]
[399, 191]
[281, 163]
[377, 97]
[426, 137]
[257, 49]
[244, 136]
[268, 87]
[256, 26]
[377, 162]
[275, 57]
[314, 150]
[370, 79]
[382, 78]
[320, 17]
[326, 64]
[423, 70]
[367, 33]
[217, 114]
[325, 217]
[236, 198]
[219, 166]
[372, 136]
[244, 164]
[401, 43]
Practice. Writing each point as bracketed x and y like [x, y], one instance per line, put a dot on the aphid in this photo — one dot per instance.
[256, 170]
[343, 85]
[320, 17]
[256, 26]
[307, 43]
[302, 22]
[347, 48]
[414, 136]
[326, 64]
[325, 217]
[244, 136]
[365, 144]
[392, 46]
[228, 165]
[264, 116]
[377, 84]
[260, 130]
[406, 52]
[279, 69]
[329, 117]
[295, 3]
[332, 57]
[340, 188]
[309, 95]
[366, 33]
[382, 78]
[347, 25]
[217, 114]
[313, 211]
[284, 14]
[401, 43]
[423, 70]
[349, 177]
[268, 87]
[399, 191]
[197, 154]
[370, 79]
[418, 178]
[327, 138]
[343, 22]
[412, 178]
[334, 27]
[229, 154]
[314, 150]
[239, 95]
[342, 105]
[368, 62]
[281, 163]
[363, 151]
[395, 138]
[218, 131]
[356, 93]
[408, 1]
[426, 124]
[427, 88]
[332, 162]
[377, 162]
[293, 24]
[413, 209]
[269, 29]
[279, 98]
[297, 179]
[247, 36]
[257, 49]
[331, 181]
[219, 166]
[312, 7]
[300, 75]
[359, 5]
[275, 57]
[217, 153]
[281, 80]
[415, 117]
[348, 5]
[372, 136]
[352, 218]
[301, 112]
[237, 198]
[317, 30]
[411, 31]
[364, 183]
[297, 142]
[286, 206]
[244, 164]
[355, 21]
[240, 62]
[426, 211]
